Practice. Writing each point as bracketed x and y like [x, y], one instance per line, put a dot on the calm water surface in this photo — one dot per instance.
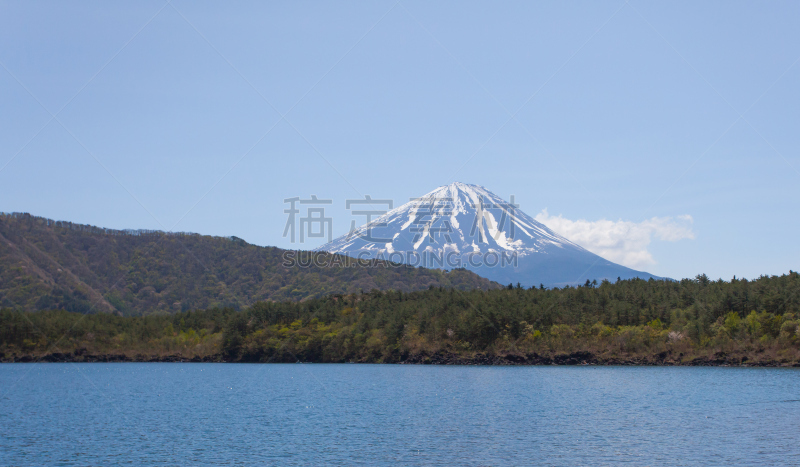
[236, 414]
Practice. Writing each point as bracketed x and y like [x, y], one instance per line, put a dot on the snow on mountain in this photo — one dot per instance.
[463, 225]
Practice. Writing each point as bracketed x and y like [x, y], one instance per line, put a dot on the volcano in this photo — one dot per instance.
[466, 226]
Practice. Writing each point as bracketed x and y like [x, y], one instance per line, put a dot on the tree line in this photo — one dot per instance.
[626, 318]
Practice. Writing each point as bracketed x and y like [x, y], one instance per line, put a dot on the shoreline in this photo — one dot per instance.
[579, 358]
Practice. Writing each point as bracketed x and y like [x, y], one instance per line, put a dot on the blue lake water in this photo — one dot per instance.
[301, 414]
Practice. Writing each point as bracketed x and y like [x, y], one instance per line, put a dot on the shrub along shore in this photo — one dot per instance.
[690, 322]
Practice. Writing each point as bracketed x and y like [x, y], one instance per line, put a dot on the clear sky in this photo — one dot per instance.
[663, 134]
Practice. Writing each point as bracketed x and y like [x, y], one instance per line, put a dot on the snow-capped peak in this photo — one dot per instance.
[458, 217]
[463, 225]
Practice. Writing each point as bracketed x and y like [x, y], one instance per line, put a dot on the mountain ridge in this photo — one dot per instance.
[46, 264]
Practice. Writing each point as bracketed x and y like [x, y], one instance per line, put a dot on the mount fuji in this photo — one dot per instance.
[466, 226]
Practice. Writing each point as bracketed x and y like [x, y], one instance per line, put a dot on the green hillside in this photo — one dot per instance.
[46, 264]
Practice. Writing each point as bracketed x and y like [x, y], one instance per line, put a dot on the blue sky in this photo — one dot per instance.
[655, 129]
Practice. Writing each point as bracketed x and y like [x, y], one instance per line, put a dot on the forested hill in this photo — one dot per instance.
[46, 264]
[694, 321]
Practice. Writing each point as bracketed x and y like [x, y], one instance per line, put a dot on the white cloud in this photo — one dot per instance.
[622, 242]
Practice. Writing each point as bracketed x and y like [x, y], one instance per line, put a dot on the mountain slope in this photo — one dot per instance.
[462, 225]
[46, 264]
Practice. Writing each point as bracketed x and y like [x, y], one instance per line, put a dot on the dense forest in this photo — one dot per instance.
[46, 264]
[693, 321]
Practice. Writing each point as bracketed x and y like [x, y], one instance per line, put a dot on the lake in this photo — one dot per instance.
[356, 414]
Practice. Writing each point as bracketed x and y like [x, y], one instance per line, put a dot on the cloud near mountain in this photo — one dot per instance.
[622, 242]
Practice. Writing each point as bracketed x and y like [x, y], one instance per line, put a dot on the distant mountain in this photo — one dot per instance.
[46, 264]
[462, 225]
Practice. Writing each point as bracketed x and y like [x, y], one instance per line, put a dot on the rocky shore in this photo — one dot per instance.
[80, 356]
[437, 358]
[587, 358]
